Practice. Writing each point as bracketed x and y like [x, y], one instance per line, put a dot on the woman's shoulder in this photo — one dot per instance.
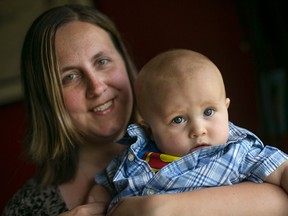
[30, 200]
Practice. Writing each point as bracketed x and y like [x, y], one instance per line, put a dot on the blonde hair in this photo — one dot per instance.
[51, 136]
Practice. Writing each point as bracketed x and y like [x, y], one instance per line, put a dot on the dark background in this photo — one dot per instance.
[246, 39]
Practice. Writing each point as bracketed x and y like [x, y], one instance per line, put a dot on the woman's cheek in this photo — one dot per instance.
[72, 101]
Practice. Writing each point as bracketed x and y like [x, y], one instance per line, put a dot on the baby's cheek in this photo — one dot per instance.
[225, 134]
[164, 143]
[177, 145]
[221, 134]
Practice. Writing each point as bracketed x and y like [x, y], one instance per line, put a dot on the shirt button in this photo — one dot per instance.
[130, 157]
[150, 192]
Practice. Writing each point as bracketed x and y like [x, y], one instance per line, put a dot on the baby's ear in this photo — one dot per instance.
[227, 102]
[147, 129]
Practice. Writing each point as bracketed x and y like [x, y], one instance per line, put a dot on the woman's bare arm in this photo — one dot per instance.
[241, 199]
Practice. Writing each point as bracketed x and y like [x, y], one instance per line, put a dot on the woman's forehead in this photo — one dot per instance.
[79, 40]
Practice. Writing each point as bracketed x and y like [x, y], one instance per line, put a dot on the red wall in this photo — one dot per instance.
[208, 26]
[14, 169]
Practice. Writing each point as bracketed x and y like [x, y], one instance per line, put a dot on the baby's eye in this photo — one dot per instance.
[209, 112]
[178, 120]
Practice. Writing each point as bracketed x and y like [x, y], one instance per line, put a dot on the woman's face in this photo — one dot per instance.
[96, 87]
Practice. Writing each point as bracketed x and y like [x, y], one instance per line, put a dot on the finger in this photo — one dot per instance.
[91, 199]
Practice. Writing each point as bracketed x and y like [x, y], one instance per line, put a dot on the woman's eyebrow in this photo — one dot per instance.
[97, 55]
[63, 70]
[71, 67]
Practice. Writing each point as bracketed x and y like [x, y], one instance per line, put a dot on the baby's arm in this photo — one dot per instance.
[280, 176]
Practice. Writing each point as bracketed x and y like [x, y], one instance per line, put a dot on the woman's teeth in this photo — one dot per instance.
[103, 107]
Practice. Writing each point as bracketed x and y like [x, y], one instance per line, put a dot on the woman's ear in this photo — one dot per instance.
[227, 102]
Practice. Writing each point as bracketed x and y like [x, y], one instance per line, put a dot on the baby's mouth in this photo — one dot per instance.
[199, 147]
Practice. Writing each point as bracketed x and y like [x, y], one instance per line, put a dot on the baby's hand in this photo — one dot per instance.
[98, 194]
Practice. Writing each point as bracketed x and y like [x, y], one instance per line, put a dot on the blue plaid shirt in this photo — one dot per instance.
[242, 158]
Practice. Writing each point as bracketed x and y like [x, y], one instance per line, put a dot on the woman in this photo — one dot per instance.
[77, 80]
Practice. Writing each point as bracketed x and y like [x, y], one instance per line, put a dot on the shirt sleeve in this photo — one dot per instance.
[261, 161]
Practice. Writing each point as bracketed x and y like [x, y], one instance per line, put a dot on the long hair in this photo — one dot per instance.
[51, 137]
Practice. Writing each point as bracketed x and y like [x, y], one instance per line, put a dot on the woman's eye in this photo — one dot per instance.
[178, 120]
[209, 112]
[68, 78]
[103, 62]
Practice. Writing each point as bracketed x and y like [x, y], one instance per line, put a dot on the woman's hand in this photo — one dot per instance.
[90, 209]
[97, 204]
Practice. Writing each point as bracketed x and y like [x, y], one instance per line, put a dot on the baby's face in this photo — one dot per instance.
[189, 111]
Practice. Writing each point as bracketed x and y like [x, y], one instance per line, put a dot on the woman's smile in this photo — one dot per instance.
[103, 107]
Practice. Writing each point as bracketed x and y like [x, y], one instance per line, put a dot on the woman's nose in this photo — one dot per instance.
[95, 86]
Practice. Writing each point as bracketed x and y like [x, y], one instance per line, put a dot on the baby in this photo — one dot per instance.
[186, 141]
